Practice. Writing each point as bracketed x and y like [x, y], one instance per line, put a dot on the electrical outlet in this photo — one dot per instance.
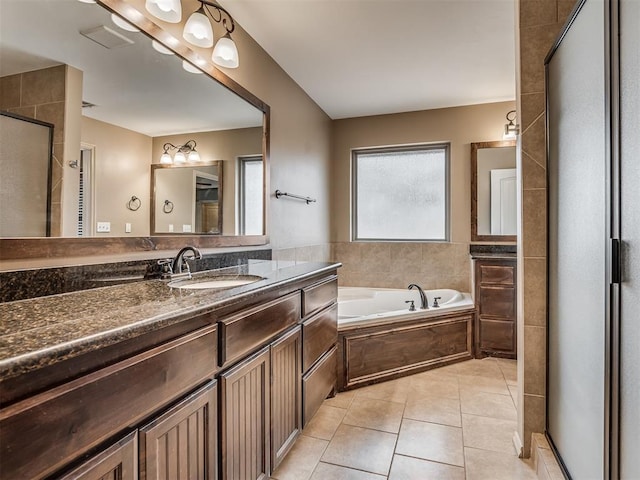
[171, 227]
[127, 228]
[103, 227]
[186, 228]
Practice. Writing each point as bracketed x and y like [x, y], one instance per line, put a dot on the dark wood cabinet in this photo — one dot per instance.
[286, 401]
[245, 419]
[495, 295]
[117, 462]
[181, 443]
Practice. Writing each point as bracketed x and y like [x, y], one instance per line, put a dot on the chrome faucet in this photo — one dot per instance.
[424, 302]
[180, 261]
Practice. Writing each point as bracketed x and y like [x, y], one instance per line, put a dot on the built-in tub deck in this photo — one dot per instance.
[379, 338]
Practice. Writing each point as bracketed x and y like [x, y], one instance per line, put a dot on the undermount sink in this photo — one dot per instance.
[218, 282]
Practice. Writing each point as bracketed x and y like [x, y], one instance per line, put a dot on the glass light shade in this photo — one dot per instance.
[225, 53]
[158, 47]
[190, 68]
[165, 159]
[179, 158]
[123, 24]
[198, 31]
[167, 10]
[194, 157]
[87, 1]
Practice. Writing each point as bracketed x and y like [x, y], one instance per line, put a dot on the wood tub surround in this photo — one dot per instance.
[495, 280]
[373, 354]
[214, 386]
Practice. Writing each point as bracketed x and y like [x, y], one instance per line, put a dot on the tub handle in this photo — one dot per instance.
[412, 307]
[435, 302]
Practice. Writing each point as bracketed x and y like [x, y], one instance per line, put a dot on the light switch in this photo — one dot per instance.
[186, 228]
[171, 227]
[127, 228]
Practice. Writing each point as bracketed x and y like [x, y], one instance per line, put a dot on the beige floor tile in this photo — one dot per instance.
[513, 390]
[341, 400]
[301, 461]
[374, 414]
[427, 387]
[326, 471]
[486, 433]
[362, 449]
[487, 404]
[486, 367]
[483, 384]
[408, 468]
[510, 371]
[430, 441]
[484, 465]
[325, 422]
[443, 374]
[441, 410]
[391, 391]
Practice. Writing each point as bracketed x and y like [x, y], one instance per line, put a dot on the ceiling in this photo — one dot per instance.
[367, 57]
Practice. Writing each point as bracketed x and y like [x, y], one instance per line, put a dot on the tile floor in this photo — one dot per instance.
[451, 423]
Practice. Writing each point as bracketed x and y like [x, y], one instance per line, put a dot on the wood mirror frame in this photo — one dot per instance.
[475, 237]
[61, 247]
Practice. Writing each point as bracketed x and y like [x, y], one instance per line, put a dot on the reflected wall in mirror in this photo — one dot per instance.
[113, 99]
[187, 199]
[493, 191]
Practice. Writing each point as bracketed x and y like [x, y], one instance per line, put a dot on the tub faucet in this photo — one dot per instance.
[424, 302]
[179, 262]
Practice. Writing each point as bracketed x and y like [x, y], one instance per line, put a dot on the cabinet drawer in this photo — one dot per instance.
[498, 302]
[47, 431]
[244, 331]
[319, 295]
[318, 383]
[319, 334]
[497, 336]
[497, 275]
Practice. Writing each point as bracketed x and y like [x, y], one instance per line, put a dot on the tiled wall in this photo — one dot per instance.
[540, 21]
[41, 95]
[396, 265]
[310, 253]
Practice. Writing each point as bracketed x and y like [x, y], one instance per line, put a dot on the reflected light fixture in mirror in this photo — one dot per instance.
[188, 148]
[511, 129]
[198, 30]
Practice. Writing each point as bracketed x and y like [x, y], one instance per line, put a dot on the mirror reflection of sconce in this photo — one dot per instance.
[511, 129]
[185, 153]
[73, 163]
[168, 206]
[134, 203]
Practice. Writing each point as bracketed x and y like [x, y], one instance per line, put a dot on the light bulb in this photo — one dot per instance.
[87, 1]
[123, 24]
[167, 10]
[194, 157]
[158, 47]
[198, 31]
[225, 53]
[179, 158]
[165, 159]
[190, 68]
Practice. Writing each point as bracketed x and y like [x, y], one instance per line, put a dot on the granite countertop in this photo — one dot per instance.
[492, 251]
[42, 331]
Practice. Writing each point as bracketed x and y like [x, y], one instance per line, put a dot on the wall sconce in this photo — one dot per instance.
[511, 129]
[185, 153]
[198, 30]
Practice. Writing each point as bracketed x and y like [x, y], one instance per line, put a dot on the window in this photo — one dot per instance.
[251, 195]
[401, 193]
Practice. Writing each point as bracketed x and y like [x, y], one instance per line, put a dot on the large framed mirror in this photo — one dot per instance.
[493, 191]
[117, 93]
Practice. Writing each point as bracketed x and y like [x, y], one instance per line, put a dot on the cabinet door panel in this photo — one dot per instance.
[318, 383]
[319, 334]
[118, 462]
[181, 444]
[245, 409]
[498, 302]
[286, 402]
[498, 336]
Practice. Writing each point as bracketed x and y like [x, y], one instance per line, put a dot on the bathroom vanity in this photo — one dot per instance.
[147, 381]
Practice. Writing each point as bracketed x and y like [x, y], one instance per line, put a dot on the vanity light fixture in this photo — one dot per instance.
[190, 68]
[158, 47]
[123, 24]
[198, 30]
[511, 129]
[184, 153]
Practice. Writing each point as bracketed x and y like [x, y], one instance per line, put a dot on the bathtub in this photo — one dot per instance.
[379, 338]
[359, 306]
